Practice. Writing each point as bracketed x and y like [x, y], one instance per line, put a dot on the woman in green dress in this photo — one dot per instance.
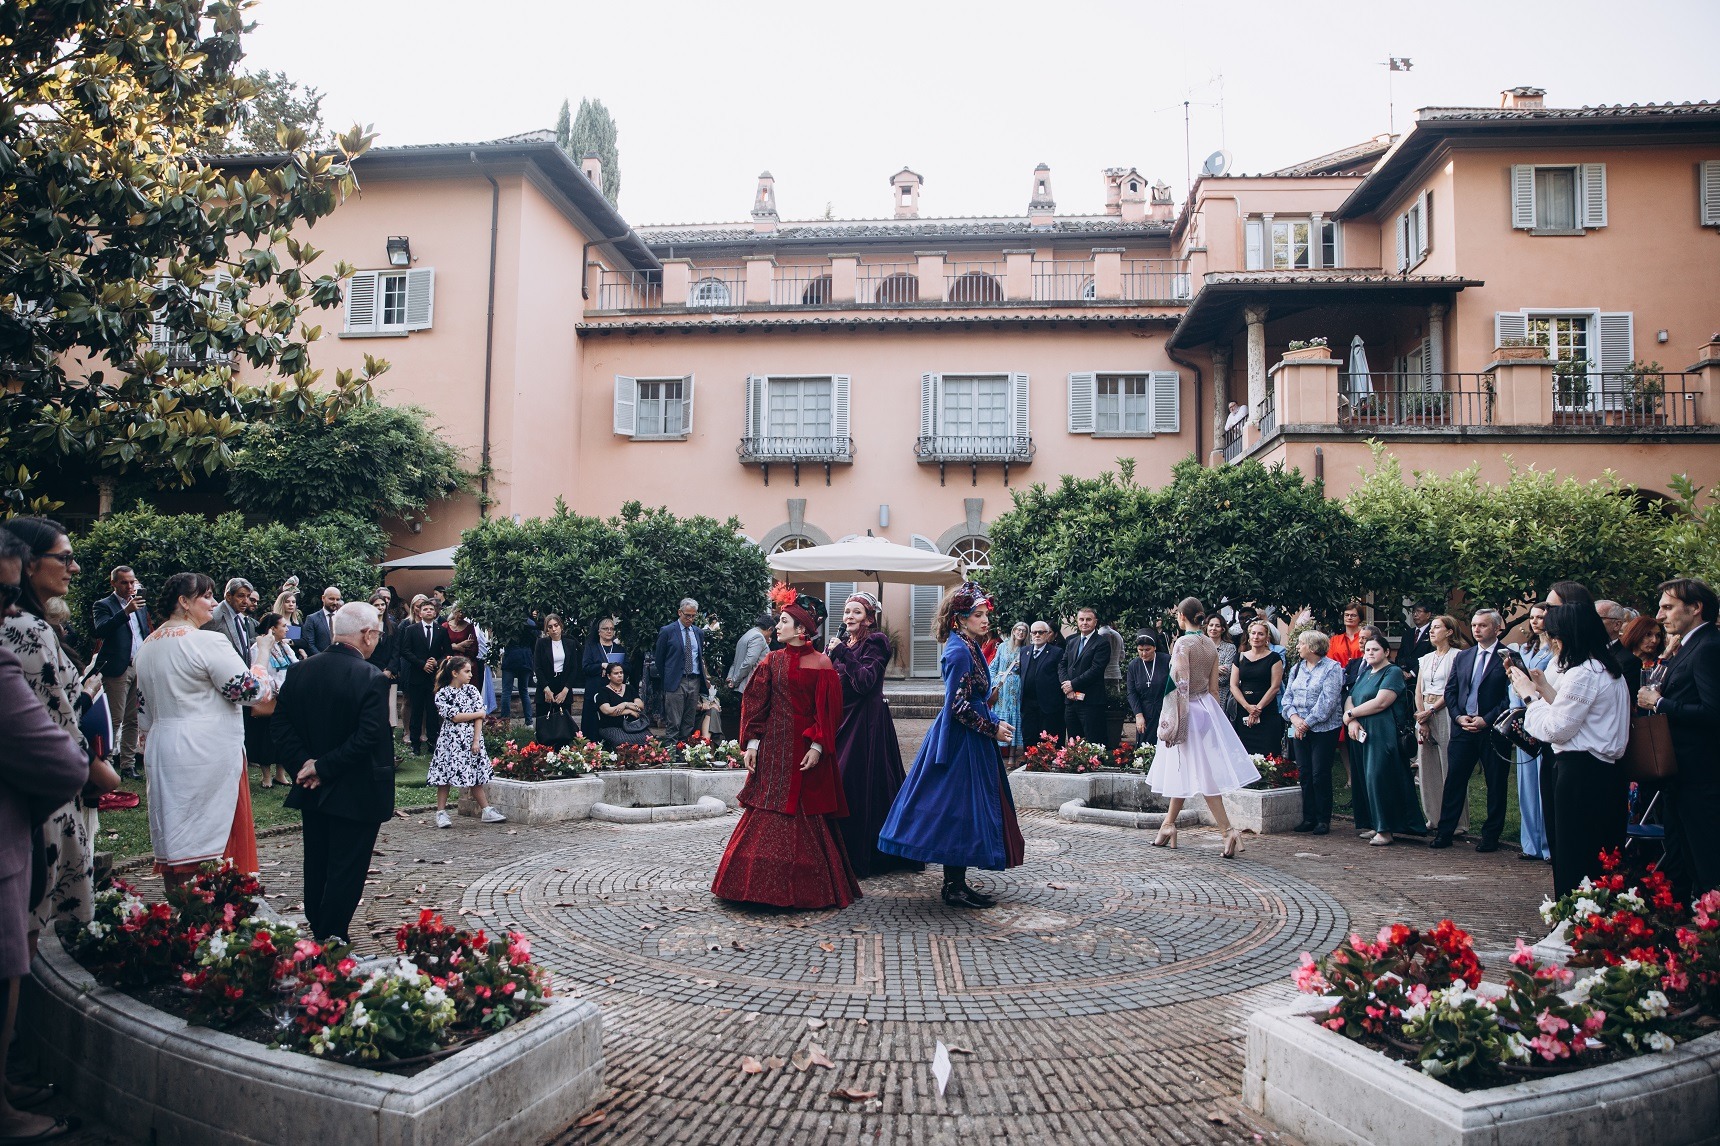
[1390, 806]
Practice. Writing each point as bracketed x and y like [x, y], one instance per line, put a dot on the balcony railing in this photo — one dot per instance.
[1233, 442]
[1268, 411]
[887, 284]
[974, 447]
[183, 356]
[1662, 398]
[803, 286]
[629, 290]
[1156, 280]
[1063, 281]
[974, 283]
[717, 286]
[1394, 399]
[773, 448]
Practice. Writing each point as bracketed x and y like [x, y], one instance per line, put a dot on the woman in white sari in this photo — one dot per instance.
[194, 686]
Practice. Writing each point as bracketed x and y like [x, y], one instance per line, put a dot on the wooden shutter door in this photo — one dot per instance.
[1594, 190]
[1164, 390]
[361, 303]
[925, 649]
[1522, 196]
[1081, 403]
[1424, 226]
[840, 385]
[626, 405]
[1618, 349]
[420, 297]
[756, 412]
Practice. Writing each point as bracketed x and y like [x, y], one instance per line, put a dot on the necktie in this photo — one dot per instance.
[692, 656]
[239, 630]
[1475, 681]
[426, 637]
[1080, 647]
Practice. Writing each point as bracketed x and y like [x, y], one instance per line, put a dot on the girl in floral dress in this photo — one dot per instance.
[460, 760]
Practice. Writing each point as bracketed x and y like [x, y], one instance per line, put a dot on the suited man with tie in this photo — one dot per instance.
[1689, 696]
[1082, 675]
[231, 617]
[1146, 686]
[1419, 642]
[318, 628]
[681, 677]
[1041, 687]
[121, 624]
[421, 643]
[1477, 694]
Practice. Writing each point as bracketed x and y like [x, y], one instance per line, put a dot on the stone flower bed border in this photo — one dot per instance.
[1070, 794]
[645, 795]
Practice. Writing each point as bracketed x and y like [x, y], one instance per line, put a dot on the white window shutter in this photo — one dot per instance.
[757, 411]
[839, 425]
[836, 594]
[1018, 404]
[1509, 324]
[1428, 382]
[928, 405]
[1594, 183]
[1523, 196]
[1256, 240]
[361, 303]
[420, 297]
[1164, 390]
[1403, 242]
[925, 650]
[1424, 226]
[1081, 403]
[626, 405]
[1618, 343]
[1708, 175]
[687, 405]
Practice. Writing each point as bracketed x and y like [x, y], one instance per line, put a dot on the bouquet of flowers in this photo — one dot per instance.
[129, 942]
[396, 1013]
[1612, 920]
[235, 974]
[1375, 982]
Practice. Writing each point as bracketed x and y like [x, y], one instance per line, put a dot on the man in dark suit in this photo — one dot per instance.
[1419, 641]
[1041, 687]
[1690, 697]
[121, 624]
[422, 643]
[1146, 686]
[1477, 694]
[331, 729]
[1082, 674]
[681, 676]
[1614, 617]
[319, 625]
[231, 617]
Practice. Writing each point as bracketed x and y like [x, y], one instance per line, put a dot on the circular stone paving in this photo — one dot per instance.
[1095, 921]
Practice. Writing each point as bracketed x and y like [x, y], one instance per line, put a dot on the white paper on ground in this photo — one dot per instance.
[941, 1066]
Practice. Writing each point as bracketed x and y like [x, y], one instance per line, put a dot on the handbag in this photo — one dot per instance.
[1648, 755]
[1511, 730]
[635, 724]
[554, 725]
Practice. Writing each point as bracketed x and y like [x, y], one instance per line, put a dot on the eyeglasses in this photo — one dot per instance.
[67, 559]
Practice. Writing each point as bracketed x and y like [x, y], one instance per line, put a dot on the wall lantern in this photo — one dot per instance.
[399, 251]
[883, 517]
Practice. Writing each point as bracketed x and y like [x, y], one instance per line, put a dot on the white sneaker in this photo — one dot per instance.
[491, 816]
[442, 820]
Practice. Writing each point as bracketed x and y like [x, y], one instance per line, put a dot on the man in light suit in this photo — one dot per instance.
[1477, 694]
[121, 624]
[232, 617]
[319, 625]
[1082, 674]
[750, 650]
[680, 670]
[1041, 688]
[1689, 696]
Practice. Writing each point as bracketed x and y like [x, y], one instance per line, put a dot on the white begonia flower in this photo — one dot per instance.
[1587, 884]
[1547, 911]
[360, 1017]
[1587, 906]
[94, 929]
[1582, 988]
[1659, 1041]
[1654, 1004]
[1414, 1012]
[1630, 964]
[218, 945]
[1518, 1047]
[435, 996]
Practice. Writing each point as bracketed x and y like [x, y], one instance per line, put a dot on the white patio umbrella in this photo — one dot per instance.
[867, 559]
[1361, 379]
[434, 559]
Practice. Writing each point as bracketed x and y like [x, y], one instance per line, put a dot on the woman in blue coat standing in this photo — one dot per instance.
[955, 808]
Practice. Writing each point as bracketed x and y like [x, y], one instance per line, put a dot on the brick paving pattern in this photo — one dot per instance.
[1103, 1000]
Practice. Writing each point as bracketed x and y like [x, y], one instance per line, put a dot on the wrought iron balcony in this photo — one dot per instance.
[766, 450]
[974, 450]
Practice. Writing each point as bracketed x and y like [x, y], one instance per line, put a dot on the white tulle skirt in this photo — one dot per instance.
[1209, 762]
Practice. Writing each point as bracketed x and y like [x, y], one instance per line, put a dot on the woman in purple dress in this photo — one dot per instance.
[867, 753]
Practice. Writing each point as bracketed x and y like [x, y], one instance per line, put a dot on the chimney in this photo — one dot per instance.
[1163, 207]
[1523, 99]
[764, 216]
[592, 165]
[1041, 208]
[905, 188]
[1113, 180]
[1132, 196]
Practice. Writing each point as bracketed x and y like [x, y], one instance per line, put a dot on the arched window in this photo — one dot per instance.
[1089, 291]
[790, 544]
[974, 553]
[818, 292]
[709, 292]
[976, 286]
[898, 288]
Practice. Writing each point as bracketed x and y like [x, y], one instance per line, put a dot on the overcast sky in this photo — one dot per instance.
[833, 98]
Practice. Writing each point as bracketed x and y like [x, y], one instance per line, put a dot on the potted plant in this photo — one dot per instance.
[1427, 408]
[1519, 350]
[1645, 391]
[1305, 349]
[1572, 387]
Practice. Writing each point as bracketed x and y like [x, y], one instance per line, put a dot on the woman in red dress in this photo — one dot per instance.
[784, 852]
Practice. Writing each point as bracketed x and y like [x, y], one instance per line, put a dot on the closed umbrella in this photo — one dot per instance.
[1361, 379]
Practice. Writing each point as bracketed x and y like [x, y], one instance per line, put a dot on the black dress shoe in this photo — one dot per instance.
[1304, 826]
[979, 896]
[1528, 858]
[1487, 846]
[1322, 829]
[1439, 842]
[960, 895]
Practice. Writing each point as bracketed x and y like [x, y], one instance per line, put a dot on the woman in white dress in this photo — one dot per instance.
[1433, 721]
[194, 687]
[1199, 752]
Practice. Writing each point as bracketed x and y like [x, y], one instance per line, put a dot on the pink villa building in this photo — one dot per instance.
[1490, 285]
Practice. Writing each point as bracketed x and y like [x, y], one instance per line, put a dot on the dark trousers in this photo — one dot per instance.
[1466, 751]
[1036, 721]
[1590, 807]
[423, 722]
[522, 681]
[1692, 840]
[1549, 794]
[337, 855]
[1086, 719]
[1313, 756]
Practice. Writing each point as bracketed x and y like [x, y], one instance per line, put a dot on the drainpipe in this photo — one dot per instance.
[489, 337]
[1320, 464]
[1198, 386]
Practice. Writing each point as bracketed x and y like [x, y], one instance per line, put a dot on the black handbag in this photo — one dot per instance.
[1511, 730]
[635, 724]
[554, 725]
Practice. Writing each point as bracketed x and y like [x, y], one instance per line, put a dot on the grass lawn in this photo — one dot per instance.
[1477, 801]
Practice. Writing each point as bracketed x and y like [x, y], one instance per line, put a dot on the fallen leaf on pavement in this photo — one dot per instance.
[592, 1119]
[775, 1062]
[1057, 886]
[736, 944]
[853, 1094]
[750, 1017]
[815, 970]
[800, 1060]
[960, 1050]
[647, 927]
[827, 946]
[402, 815]
[706, 982]
[751, 1065]
[609, 981]
[862, 1022]
[819, 1058]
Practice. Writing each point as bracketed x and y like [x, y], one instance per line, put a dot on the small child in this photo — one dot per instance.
[460, 760]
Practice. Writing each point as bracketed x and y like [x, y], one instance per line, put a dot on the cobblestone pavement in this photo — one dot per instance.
[1102, 1001]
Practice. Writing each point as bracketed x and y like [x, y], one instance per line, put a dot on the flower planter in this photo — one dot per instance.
[539, 801]
[1520, 354]
[647, 790]
[1308, 354]
[1125, 799]
[1324, 1088]
[1264, 811]
[160, 1079]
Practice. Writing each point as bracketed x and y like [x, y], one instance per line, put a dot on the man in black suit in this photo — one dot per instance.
[331, 729]
[121, 624]
[1082, 675]
[319, 625]
[422, 642]
[1041, 688]
[1419, 642]
[1146, 686]
[1477, 694]
[1690, 697]
[1614, 617]
[231, 617]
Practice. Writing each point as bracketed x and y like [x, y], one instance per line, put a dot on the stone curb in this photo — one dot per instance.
[706, 808]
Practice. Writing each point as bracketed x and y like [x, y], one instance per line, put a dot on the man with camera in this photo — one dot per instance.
[121, 624]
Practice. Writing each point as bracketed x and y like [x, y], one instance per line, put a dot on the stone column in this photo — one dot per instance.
[1220, 399]
[1108, 272]
[1018, 275]
[1436, 340]
[761, 272]
[931, 271]
[844, 277]
[677, 281]
[1255, 318]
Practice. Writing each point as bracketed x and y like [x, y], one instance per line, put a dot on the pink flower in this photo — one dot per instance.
[1549, 1047]
[1418, 994]
[1551, 1024]
[1593, 1024]
[1308, 978]
[1333, 1024]
[1523, 957]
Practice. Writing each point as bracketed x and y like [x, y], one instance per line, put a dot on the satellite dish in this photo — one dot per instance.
[1218, 163]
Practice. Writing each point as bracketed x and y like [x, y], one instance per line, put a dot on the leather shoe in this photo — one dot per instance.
[1487, 846]
[979, 896]
[1322, 829]
[960, 895]
[1528, 858]
[1439, 842]
[1304, 826]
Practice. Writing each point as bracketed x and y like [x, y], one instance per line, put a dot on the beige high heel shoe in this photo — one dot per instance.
[1232, 843]
[1167, 837]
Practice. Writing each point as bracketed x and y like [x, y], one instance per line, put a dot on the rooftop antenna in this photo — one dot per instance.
[1187, 104]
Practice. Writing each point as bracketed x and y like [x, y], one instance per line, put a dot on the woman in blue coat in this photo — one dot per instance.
[955, 808]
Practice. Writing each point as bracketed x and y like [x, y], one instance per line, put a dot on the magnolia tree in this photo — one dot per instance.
[134, 272]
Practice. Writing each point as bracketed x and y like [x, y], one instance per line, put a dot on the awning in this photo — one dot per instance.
[867, 559]
[435, 559]
[1217, 309]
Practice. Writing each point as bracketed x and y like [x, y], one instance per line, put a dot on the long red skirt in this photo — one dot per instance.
[241, 846]
[786, 861]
